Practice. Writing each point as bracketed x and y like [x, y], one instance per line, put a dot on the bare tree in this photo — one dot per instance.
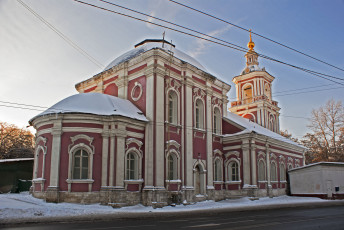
[326, 141]
[15, 142]
[286, 134]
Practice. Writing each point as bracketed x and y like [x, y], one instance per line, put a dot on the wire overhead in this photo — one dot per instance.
[259, 35]
[317, 74]
[63, 36]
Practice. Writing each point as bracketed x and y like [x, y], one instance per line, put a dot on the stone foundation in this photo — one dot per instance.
[151, 197]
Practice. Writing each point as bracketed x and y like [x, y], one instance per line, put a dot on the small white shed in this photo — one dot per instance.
[323, 179]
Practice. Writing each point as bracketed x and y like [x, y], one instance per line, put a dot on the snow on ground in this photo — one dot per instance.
[23, 205]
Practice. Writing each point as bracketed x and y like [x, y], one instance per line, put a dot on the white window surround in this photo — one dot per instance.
[172, 99]
[273, 171]
[217, 167]
[176, 165]
[229, 165]
[39, 149]
[138, 164]
[199, 112]
[249, 98]
[261, 170]
[43, 150]
[71, 152]
[217, 120]
[282, 172]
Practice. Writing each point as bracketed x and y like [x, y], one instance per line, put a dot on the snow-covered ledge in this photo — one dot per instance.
[173, 181]
[40, 181]
[233, 182]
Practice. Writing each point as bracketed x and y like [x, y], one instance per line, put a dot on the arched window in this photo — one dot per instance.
[247, 94]
[282, 172]
[81, 164]
[172, 167]
[217, 121]
[273, 171]
[233, 171]
[199, 114]
[261, 171]
[132, 166]
[290, 166]
[272, 123]
[218, 170]
[172, 108]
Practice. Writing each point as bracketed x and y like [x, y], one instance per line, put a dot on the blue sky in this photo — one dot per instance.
[38, 67]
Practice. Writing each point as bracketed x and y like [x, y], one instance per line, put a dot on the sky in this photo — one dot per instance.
[39, 67]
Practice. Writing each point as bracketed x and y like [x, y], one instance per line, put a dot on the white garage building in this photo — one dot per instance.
[323, 179]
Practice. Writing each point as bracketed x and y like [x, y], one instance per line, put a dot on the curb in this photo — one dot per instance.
[141, 215]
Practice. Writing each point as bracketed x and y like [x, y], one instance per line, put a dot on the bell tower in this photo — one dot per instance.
[253, 92]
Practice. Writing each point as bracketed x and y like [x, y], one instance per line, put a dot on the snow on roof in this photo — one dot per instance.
[95, 103]
[155, 45]
[250, 126]
[340, 164]
[252, 68]
[17, 159]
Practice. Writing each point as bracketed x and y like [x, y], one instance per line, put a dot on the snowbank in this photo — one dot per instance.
[24, 206]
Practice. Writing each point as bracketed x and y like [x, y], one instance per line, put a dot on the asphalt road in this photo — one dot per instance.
[329, 218]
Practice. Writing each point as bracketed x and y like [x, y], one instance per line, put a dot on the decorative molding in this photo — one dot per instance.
[218, 102]
[236, 153]
[199, 136]
[40, 138]
[217, 151]
[173, 143]
[261, 154]
[198, 93]
[176, 85]
[272, 155]
[139, 86]
[81, 136]
[134, 140]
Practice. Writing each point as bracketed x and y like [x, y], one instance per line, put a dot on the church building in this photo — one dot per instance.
[154, 128]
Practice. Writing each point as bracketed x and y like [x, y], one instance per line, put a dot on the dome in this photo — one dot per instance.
[95, 103]
[149, 44]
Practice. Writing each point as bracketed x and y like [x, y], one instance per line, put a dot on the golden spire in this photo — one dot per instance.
[250, 45]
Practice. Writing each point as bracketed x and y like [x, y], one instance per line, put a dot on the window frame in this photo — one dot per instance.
[260, 179]
[81, 168]
[199, 114]
[229, 172]
[218, 175]
[283, 172]
[273, 172]
[172, 107]
[128, 166]
[217, 120]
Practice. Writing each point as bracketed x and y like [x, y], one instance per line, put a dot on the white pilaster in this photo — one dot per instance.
[149, 168]
[189, 133]
[246, 161]
[253, 163]
[112, 154]
[209, 129]
[55, 153]
[105, 154]
[160, 131]
[120, 156]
